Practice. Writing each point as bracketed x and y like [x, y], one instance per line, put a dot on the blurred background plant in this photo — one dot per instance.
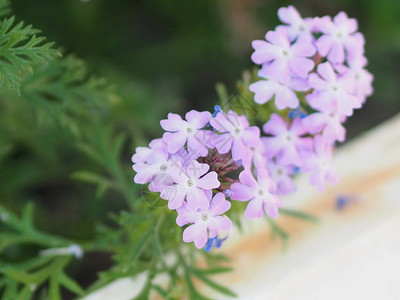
[66, 136]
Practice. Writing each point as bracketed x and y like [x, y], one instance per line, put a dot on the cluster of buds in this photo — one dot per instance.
[313, 69]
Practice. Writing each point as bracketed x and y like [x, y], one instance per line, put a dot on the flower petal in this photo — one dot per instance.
[219, 205]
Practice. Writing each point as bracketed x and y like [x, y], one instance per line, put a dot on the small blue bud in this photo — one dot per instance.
[297, 113]
[228, 193]
[341, 202]
[296, 170]
[217, 109]
[214, 242]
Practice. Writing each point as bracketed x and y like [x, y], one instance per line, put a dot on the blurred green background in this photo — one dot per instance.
[162, 56]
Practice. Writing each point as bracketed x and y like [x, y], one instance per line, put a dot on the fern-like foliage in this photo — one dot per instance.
[20, 50]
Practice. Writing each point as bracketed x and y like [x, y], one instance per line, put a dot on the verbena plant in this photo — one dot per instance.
[57, 122]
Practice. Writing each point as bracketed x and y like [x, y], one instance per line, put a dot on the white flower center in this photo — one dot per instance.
[289, 137]
[285, 53]
[279, 171]
[189, 130]
[236, 131]
[189, 183]
[334, 88]
[204, 216]
[324, 164]
[340, 35]
[164, 168]
[260, 193]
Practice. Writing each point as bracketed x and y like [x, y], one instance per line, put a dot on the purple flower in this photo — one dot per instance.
[207, 221]
[362, 78]
[260, 194]
[256, 155]
[338, 36]
[329, 124]
[286, 142]
[192, 185]
[181, 131]
[283, 59]
[280, 174]
[284, 93]
[296, 25]
[143, 153]
[332, 93]
[235, 134]
[185, 156]
[156, 162]
[319, 163]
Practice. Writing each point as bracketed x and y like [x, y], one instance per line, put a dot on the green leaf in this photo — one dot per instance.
[10, 291]
[222, 92]
[217, 270]
[102, 182]
[18, 275]
[276, 230]
[298, 214]
[117, 146]
[54, 288]
[161, 291]
[127, 218]
[25, 293]
[20, 50]
[27, 216]
[5, 8]
[144, 293]
[139, 247]
[220, 288]
[70, 284]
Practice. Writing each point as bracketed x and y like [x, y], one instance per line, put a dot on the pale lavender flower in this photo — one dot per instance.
[330, 124]
[285, 96]
[331, 92]
[319, 163]
[143, 153]
[180, 131]
[256, 155]
[362, 78]
[295, 26]
[286, 142]
[281, 175]
[283, 59]
[185, 156]
[235, 135]
[207, 221]
[339, 36]
[259, 193]
[191, 184]
[155, 163]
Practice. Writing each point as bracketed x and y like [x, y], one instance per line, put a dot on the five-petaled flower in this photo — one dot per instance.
[180, 131]
[208, 221]
[259, 193]
[283, 58]
[192, 184]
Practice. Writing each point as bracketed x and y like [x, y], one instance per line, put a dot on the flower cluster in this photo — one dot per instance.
[315, 67]
[195, 168]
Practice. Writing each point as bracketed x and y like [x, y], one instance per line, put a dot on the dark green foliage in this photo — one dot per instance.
[20, 49]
